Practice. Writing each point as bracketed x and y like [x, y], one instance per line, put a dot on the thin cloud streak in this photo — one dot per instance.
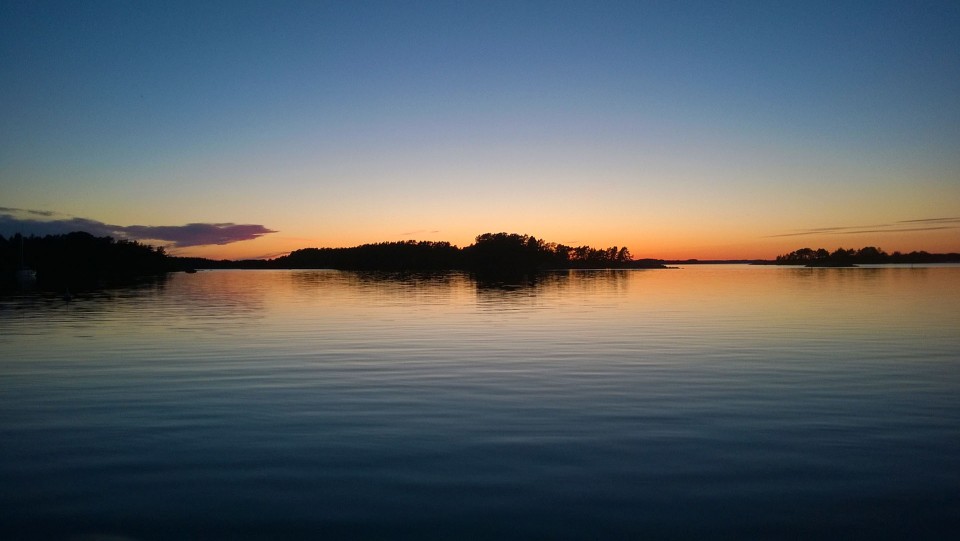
[940, 220]
[182, 236]
[420, 232]
[29, 211]
[903, 226]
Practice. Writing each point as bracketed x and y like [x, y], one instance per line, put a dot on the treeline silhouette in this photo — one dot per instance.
[491, 252]
[80, 260]
[408, 255]
[864, 256]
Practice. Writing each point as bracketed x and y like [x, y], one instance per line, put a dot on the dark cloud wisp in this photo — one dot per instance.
[195, 234]
[903, 226]
[29, 211]
[198, 234]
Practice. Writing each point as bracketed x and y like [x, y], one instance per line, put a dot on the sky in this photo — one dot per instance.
[679, 129]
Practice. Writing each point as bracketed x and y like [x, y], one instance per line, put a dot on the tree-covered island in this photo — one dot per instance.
[490, 252]
[79, 260]
[868, 255]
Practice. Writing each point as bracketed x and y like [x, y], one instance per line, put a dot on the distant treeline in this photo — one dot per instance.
[80, 260]
[864, 256]
[489, 253]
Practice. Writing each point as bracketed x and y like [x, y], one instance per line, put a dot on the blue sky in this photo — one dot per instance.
[677, 128]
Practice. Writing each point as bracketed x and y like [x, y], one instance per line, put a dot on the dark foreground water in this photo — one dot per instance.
[707, 402]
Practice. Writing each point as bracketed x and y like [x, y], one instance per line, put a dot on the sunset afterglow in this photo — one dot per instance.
[681, 130]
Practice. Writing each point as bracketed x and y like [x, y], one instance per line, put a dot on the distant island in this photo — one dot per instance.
[80, 260]
[491, 252]
[869, 255]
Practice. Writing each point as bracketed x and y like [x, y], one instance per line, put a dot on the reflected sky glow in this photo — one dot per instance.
[640, 403]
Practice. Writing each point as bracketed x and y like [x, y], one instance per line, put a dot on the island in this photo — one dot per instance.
[869, 255]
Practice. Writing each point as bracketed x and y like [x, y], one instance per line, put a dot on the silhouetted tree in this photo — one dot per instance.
[80, 260]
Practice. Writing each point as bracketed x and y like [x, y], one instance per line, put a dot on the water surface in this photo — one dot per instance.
[704, 402]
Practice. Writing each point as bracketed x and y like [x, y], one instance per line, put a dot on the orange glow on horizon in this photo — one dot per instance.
[671, 247]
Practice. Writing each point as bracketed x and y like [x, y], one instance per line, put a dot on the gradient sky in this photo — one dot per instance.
[679, 129]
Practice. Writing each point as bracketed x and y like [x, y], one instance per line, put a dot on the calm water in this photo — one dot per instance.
[705, 402]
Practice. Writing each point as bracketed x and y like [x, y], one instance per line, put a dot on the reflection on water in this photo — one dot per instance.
[733, 401]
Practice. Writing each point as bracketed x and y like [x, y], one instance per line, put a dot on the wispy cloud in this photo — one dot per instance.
[902, 226]
[29, 211]
[419, 232]
[933, 220]
[13, 220]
